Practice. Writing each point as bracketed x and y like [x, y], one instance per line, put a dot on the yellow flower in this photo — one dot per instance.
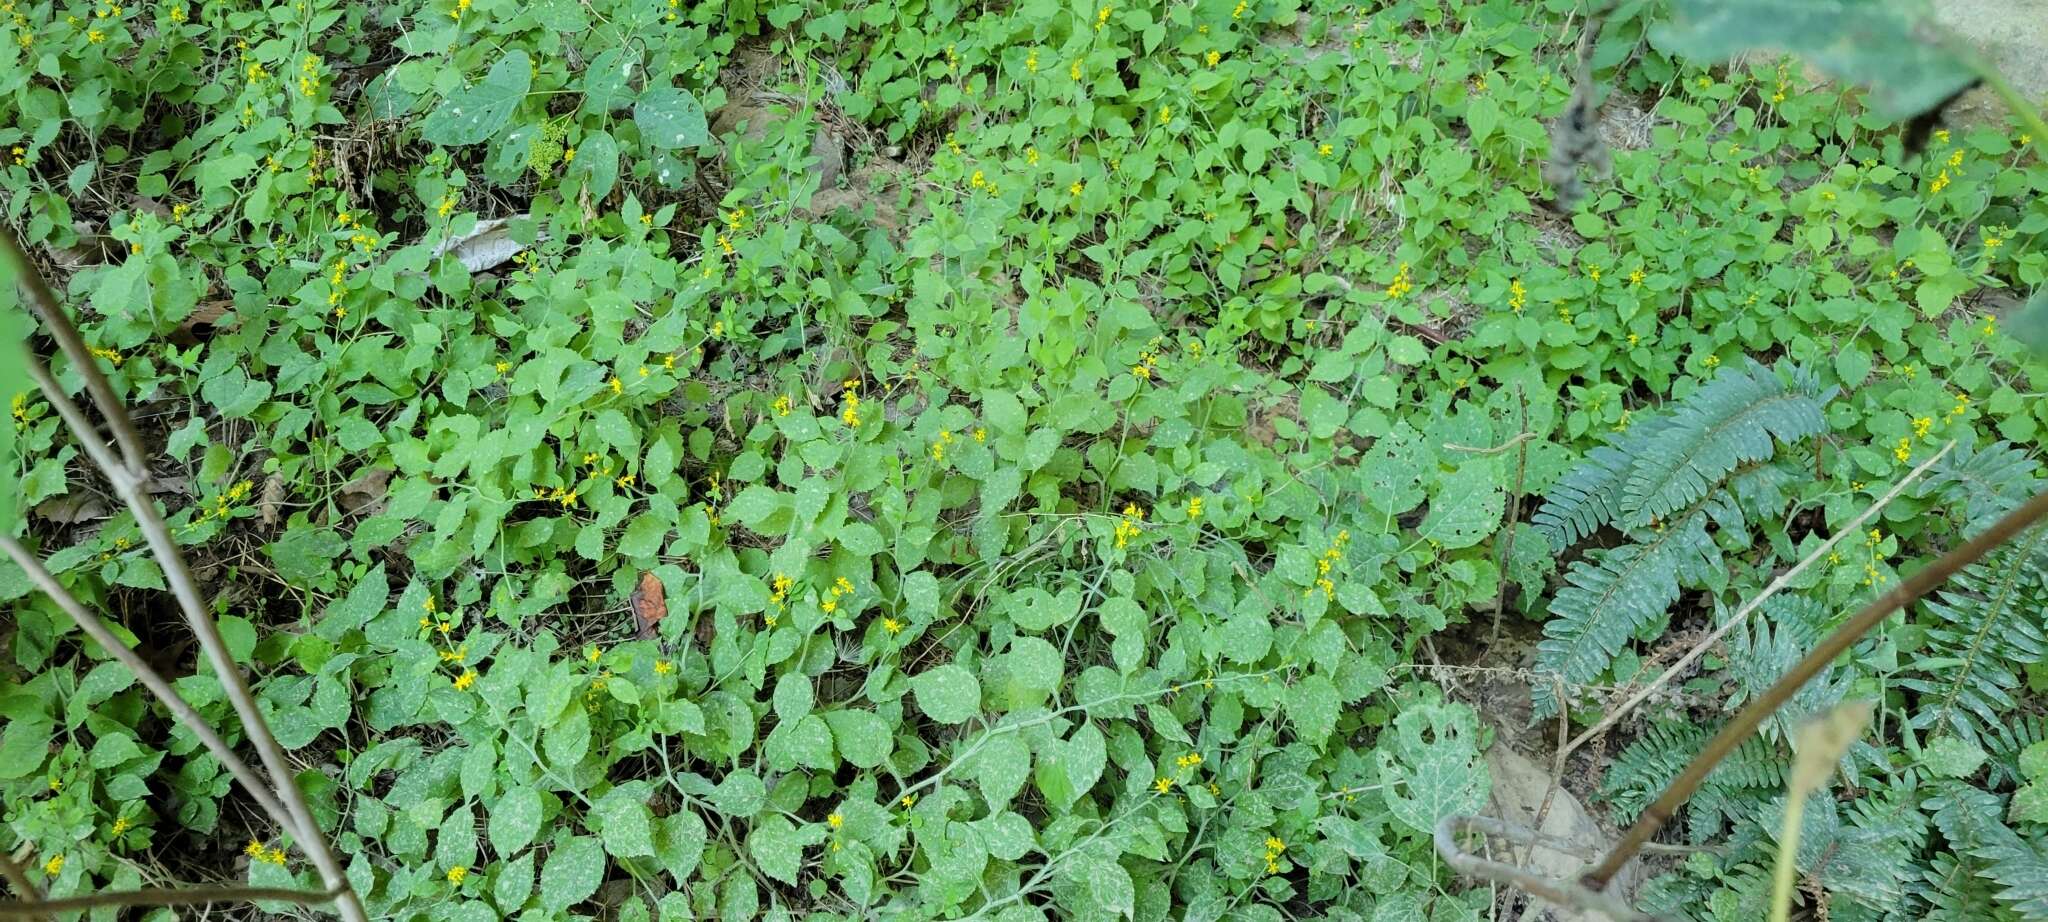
[1213, 57]
[122, 825]
[254, 849]
[1325, 150]
[1195, 508]
[1074, 71]
[457, 874]
[1075, 189]
[502, 367]
[1956, 159]
[829, 605]
[1711, 361]
[1517, 296]
[592, 653]
[1166, 115]
[618, 387]
[663, 667]
[54, 865]
[1635, 277]
[835, 821]
[1238, 13]
[892, 625]
[1101, 17]
[1163, 785]
[94, 36]
[1990, 324]
[1940, 182]
[909, 800]
[465, 680]
[1904, 450]
[977, 181]
[1401, 284]
[1922, 426]
[177, 14]
[980, 434]
[1031, 61]
[461, 6]
[275, 856]
[1593, 272]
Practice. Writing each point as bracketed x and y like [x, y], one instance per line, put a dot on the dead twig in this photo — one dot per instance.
[192, 896]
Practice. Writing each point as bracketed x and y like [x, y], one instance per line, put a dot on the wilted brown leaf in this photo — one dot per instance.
[650, 605]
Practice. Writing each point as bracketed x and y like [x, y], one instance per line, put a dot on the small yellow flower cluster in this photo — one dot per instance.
[1238, 13]
[850, 412]
[1274, 847]
[835, 820]
[1194, 508]
[1990, 326]
[618, 387]
[725, 244]
[1711, 361]
[782, 404]
[465, 680]
[1101, 18]
[20, 154]
[1075, 189]
[458, 874]
[121, 825]
[257, 851]
[456, 655]
[113, 356]
[1166, 115]
[1325, 150]
[892, 625]
[1212, 58]
[1326, 562]
[21, 410]
[1131, 525]
[1074, 71]
[840, 587]
[53, 866]
[939, 445]
[735, 218]
[1940, 182]
[1147, 362]
[952, 58]
[1031, 62]
[177, 14]
[1635, 277]
[1904, 450]
[1962, 406]
[1922, 426]
[663, 667]
[1401, 285]
[778, 595]
[447, 205]
[461, 7]
[560, 495]
[1517, 296]
[1784, 83]
[1871, 577]
[309, 76]
[980, 435]
[1992, 242]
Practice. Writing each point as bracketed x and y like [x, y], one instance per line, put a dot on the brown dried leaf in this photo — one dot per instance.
[650, 605]
[273, 497]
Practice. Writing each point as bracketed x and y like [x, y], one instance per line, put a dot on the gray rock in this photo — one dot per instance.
[2013, 36]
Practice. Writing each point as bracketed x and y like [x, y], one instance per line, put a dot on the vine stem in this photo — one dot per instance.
[129, 476]
[1750, 717]
[182, 896]
[1741, 615]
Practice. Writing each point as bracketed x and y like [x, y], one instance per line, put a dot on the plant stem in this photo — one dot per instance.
[161, 896]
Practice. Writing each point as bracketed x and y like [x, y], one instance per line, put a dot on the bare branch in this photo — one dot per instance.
[183, 896]
[152, 680]
[44, 301]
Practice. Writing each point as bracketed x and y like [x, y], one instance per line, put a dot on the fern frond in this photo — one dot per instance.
[1984, 632]
[1588, 496]
[1984, 481]
[1738, 418]
[1611, 594]
[1769, 647]
[1970, 820]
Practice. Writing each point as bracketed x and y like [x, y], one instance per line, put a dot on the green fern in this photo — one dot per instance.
[1970, 820]
[1983, 633]
[1738, 418]
[1707, 460]
[1982, 481]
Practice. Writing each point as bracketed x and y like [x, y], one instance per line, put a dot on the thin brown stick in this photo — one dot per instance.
[47, 307]
[1746, 721]
[16, 877]
[128, 481]
[151, 679]
[1855, 526]
[160, 896]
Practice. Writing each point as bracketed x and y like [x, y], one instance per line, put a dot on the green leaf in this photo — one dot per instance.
[862, 737]
[473, 115]
[1000, 769]
[1875, 45]
[515, 820]
[1467, 506]
[670, 118]
[948, 694]
[1068, 768]
[572, 873]
[1312, 705]
[1952, 757]
[776, 849]
[624, 819]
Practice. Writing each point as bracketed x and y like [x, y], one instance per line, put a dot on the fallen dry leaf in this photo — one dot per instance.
[273, 497]
[650, 605]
